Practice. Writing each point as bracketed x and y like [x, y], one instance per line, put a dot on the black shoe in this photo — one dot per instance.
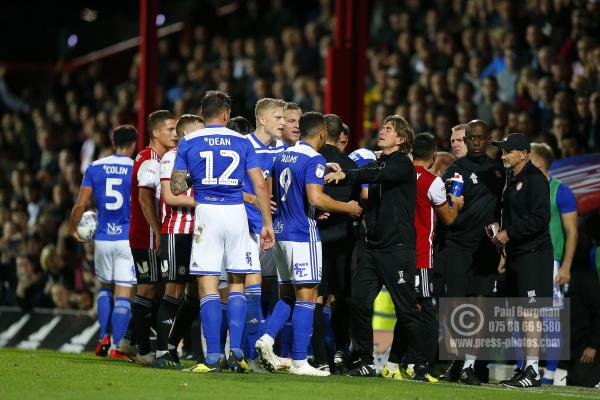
[339, 361]
[482, 372]
[515, 378]
[238, 364]
[423, 373]
[166, 361]
[467, 376]
[528, 379]
[175, 356]
[452, 374]
[362, 370]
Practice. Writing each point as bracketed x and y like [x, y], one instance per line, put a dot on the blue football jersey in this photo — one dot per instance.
[363, 157]
[266, 156]
[295, 168]
[217, 159]
[110, 180]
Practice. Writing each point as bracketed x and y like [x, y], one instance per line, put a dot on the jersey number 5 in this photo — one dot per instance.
[115, 194]
[224, 179]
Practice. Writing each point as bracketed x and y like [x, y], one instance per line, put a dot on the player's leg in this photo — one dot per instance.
[319, 349]
[186, 315]
[147, 267]
[224, 327]
[307, 260]
[206, 263]
[124, 278]
[104, 266]
[170, 301]
[282, 252]
[253, 292]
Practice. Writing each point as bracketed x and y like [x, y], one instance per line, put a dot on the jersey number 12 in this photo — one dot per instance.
[224, 179]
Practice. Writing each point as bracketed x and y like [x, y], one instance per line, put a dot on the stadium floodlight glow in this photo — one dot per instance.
[72, 40]
[160, 19]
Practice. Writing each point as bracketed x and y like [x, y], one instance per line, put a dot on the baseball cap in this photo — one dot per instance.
[514, 141]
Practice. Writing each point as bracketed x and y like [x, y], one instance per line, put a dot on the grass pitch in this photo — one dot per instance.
[46, 374]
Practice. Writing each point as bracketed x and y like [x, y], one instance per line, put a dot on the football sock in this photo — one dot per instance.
[253, 319]
[166, 316]
[533, 362]
[187, 313]
[223, 328]
[302, 321]
[329, 341]
[120, 318]
[285, 338]
[318, 334]
[236, 315]
[104, 306]
[279, 316]
[210, 316]
[141, 316]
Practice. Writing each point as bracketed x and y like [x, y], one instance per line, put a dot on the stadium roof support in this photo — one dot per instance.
[148, 66]
[346, 66]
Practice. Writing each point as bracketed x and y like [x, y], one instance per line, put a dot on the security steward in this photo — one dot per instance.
[466, 262]
[337, 240]
[525, 235]
[388, 257]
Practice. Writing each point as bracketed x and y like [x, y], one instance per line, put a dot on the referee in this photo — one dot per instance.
[525, 235]
[388, 256]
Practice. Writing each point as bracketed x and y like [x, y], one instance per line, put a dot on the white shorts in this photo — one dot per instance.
[298, 262]
[221, 240]
[114, 262]
[263, 261]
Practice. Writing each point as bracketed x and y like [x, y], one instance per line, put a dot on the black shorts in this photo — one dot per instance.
[424, 283]
[147, 266]
[530, 274]
[468, 272]
[176, 250]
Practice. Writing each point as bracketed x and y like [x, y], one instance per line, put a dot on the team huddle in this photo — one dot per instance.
[221, 221]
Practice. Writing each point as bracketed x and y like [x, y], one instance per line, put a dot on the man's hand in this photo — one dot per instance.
[502, 265]
[333, 167]
[335, 177]
[267, 237]
[273, 205]
[73, 233]
[564, 275]
[457, 202]
[588, 355]
[501, 238]
[355, 209]
[323, 216]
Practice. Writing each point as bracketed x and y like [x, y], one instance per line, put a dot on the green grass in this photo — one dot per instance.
[47, 374]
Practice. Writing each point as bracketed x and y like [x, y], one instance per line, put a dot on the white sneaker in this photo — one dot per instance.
[283, 363]
[257, 367]
[268, 359]
[144, 359]
[308, 370]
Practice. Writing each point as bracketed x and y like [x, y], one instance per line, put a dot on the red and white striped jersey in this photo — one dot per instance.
[145, 174]
[176, 220]
[431, 193]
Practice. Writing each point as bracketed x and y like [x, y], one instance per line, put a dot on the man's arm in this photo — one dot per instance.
[147, 204]
[396, 170]
[569, 222]
[172, 200]
[263, 203]
[179, 182]
[318, 199]
[448, 214]
[85, 193]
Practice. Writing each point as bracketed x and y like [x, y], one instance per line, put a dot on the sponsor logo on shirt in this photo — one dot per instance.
[113, 229]
[320, 172]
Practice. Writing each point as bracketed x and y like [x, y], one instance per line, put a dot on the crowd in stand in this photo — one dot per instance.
[523, 66]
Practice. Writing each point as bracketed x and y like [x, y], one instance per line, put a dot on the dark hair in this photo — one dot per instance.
[124, 135]
[424, 146]
[335, 125]
[240, 125]
[184, 120]
[346, 129]
[404, 130]
[477, 123]
[215, 102]
[311, 123]
[157, 117]
[572, 136]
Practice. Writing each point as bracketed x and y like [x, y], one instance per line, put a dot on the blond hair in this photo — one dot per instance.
[267, 104]
[544, 151]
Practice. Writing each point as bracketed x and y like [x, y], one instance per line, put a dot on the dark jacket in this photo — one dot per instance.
[484, 180]
[390, 211]
[526, 211]
[338, 226]
[585, 310]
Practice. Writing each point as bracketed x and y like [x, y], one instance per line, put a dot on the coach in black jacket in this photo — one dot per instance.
[388, 257]
[525, 236]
